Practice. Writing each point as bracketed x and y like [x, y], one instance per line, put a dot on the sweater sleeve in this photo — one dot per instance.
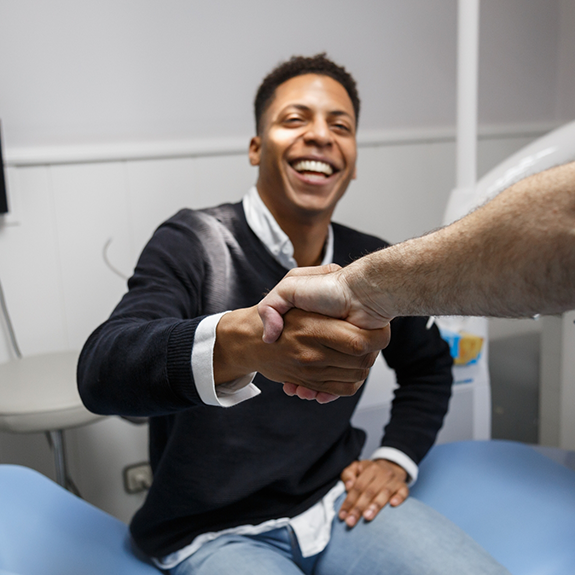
[422, 363]
[138, 362]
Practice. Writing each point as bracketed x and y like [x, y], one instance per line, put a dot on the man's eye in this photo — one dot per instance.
[343, 127]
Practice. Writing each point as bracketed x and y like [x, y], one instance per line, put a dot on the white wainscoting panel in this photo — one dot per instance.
[91, 207]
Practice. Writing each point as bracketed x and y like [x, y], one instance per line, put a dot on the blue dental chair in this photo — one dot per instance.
[515, 502]
[46, 530]
[518, 504]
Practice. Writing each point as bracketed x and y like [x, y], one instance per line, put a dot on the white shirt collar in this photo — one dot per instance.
[264, 225]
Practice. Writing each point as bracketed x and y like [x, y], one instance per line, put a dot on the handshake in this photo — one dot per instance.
[329, 296]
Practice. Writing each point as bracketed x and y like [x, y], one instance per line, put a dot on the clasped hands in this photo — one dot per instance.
[323, 290]
[315, 357]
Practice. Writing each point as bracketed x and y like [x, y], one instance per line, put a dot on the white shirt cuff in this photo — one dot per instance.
[396, 456]
[226, 394]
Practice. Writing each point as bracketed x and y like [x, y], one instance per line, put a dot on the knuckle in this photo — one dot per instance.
[370, 493]
[354, 492]
[387, 474]
[348, 389]
[367, 361]
[363, 373]
[386, 493]
[306, 358]
[358, 345]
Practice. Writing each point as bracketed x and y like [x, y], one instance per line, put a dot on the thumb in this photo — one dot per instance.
[273, 323]
[271, 309]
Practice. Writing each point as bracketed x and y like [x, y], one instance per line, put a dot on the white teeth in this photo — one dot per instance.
[313, 166]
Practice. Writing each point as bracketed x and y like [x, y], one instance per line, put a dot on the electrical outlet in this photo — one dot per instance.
[137, 477]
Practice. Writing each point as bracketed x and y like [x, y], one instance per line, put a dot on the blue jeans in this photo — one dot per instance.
[411, 539]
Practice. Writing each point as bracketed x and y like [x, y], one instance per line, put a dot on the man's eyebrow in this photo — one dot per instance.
[304, 108]
[341, 113]
[301, 107]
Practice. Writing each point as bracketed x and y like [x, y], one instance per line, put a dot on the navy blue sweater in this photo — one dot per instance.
[272, 456]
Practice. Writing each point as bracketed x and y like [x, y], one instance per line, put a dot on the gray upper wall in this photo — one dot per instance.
[74, 72]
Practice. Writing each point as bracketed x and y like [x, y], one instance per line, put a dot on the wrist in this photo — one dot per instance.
[237, 334]
[399, 458]
[369, 299]
[398, 469]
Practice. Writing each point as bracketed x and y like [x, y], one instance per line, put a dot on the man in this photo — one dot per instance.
[513, 257]
[255, 488]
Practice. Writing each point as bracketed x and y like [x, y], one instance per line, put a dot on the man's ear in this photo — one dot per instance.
[354, 176]
[255, 150]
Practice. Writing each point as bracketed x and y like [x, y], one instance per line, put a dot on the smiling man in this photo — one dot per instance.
[248, 480]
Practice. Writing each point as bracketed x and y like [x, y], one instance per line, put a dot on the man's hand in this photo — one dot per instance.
[321, 289]
[326, 357]
[371, 485]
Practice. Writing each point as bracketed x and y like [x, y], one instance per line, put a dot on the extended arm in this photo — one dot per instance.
[513, 257]
[139, 362]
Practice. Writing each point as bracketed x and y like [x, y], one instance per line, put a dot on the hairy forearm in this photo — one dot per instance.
[513, 257]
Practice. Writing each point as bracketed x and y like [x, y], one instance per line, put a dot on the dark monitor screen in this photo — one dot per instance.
[3, 194]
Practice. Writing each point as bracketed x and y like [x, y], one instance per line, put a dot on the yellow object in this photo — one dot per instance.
[469, 348]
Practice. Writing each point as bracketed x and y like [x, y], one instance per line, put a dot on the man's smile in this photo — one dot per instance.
[313, 166]
[313, 170]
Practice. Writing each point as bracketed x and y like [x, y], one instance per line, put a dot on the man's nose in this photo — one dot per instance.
[318, 133]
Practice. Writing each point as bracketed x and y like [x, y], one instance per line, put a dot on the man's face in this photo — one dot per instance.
[306, 151]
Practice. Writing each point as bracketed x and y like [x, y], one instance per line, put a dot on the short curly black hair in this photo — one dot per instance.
[297, 66]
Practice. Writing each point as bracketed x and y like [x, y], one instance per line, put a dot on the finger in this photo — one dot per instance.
[323, 397]
[349, 474]
[344, 337]
[399, 496]
[270, 312]
[387, 335]
[332, 388]
[354, 491]
[290, 388]
[305, 393]
[325, 363]
[382, 499]
[370, 494]
[321, 378]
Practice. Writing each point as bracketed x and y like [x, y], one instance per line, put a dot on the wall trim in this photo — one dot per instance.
[156, 150]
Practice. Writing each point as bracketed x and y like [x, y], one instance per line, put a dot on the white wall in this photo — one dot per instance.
[83, 72]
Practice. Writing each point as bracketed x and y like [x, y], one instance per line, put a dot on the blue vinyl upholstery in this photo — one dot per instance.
[518, 504]
[45, 530]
